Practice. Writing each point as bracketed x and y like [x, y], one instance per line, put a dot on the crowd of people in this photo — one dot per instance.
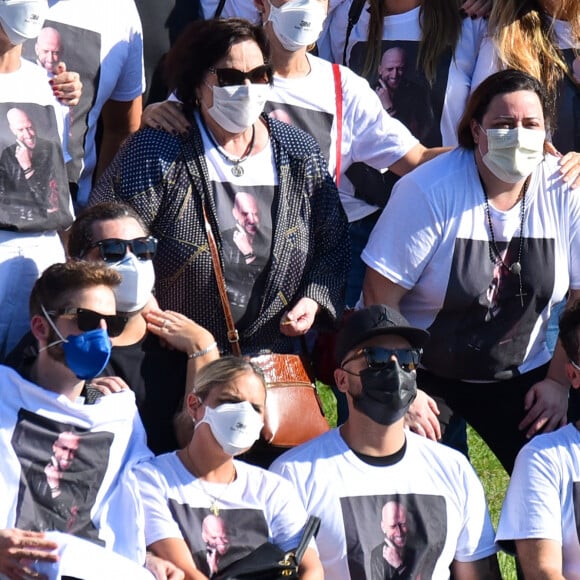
[402, 175]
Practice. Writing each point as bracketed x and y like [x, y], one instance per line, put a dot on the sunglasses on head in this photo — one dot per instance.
[91, 320]
[377, 357]
[231, 77]
[114, 250]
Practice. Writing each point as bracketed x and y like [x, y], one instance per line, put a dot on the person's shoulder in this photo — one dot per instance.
[321, 447]
[438, 454]
[152, 144]
[159, 464]
[566, 439]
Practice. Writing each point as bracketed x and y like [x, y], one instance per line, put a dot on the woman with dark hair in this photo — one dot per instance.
[262, 186]
[492, 242]
[204, 509]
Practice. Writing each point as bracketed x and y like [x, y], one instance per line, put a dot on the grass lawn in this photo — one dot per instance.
[492, 475]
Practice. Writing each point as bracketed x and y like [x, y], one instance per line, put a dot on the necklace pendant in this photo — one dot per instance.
[214, 508]
[237, 170]
[516, 268]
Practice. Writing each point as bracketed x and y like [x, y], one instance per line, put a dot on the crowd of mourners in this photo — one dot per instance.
[389, 186]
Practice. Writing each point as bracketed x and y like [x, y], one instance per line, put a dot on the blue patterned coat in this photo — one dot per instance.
[310, 248]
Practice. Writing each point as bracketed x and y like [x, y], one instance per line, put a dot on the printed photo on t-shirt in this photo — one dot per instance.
[34, 192]
[63, 467]
[486, 338]
[220, 537]
[394, 536]
[245, 221]
[403, 88]
[315, 123]
[59, 42]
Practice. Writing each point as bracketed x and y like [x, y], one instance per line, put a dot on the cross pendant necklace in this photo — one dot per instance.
[514, 268]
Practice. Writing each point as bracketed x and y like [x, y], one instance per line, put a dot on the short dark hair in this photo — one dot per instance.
[55, 288]
[569, 327]
[200, 46]
[500, 83]
[81, 232]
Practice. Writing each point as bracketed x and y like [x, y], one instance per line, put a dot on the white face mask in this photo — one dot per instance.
[513, 154]
[239, 107]
[22, 19]
[235, 426]
[297, 23]
[137, 281]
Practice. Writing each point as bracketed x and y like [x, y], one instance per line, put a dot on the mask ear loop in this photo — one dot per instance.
[61, 337]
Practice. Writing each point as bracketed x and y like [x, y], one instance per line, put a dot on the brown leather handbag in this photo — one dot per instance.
[294, 412]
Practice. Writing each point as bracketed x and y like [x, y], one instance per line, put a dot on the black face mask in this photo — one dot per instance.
[386, 393]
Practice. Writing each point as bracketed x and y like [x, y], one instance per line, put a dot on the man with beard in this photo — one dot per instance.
[347, 475]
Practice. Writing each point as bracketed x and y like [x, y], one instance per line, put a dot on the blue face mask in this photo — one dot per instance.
[86, 354]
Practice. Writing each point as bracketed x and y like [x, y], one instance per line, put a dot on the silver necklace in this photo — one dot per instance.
[236, 169]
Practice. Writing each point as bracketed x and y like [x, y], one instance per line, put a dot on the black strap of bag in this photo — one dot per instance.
[353, 17]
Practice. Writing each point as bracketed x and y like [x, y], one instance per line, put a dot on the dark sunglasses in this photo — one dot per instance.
[230, 77]
[114, 250]
[91, 320]
[377, 357]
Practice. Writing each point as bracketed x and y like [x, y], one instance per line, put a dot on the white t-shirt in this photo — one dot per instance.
[256, 507]
[102, 41]
[446, 98]
[433, 240]
[567, 135]
[369, 134]
[91, 502]
[447, 516]
[544, 495]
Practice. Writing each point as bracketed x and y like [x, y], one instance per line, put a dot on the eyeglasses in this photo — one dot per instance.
[229, 77]
[114, 250]
[575, 365]
[91, 320]
[377, 357]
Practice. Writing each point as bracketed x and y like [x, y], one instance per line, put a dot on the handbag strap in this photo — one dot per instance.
[353, 17]
[233, 335]
[338, 93]
[310, 529]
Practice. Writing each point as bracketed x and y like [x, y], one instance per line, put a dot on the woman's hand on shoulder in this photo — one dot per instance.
[546, 404]
[165, 116]
[421, 418]
[298, 320]
[477, 8]
[20, 548]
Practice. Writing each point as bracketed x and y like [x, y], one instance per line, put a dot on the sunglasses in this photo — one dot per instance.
[230, 77]
[114, 250]
[377, 357]
[91, 320]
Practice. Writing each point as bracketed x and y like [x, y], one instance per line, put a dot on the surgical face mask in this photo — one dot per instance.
[137, 281]
[236, 108]
[513, 154]
[86, 354]
[387, 393]
[22, 19]
[297, 23]
[235, 426]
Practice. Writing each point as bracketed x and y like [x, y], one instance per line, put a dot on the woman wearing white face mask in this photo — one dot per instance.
[263, 186]
[493, 242]
[204, 509]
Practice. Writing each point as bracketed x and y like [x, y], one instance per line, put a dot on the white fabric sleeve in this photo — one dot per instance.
[287, 515]
[574, 239]
[476, 539]
[406, 235]
[159, 523]
[486, 64]
[131, 80]
[532, 508]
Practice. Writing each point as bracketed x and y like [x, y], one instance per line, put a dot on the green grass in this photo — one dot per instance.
[492, 475]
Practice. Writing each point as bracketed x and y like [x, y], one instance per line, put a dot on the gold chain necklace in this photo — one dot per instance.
[214, 507]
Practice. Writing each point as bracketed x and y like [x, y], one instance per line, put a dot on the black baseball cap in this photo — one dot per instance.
[376, 320]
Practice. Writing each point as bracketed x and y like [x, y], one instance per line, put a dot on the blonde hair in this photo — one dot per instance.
[524, 38]
[440, 22]
[221, 372]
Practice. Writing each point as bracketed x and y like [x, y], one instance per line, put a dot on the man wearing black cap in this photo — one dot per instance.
[349, 474]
